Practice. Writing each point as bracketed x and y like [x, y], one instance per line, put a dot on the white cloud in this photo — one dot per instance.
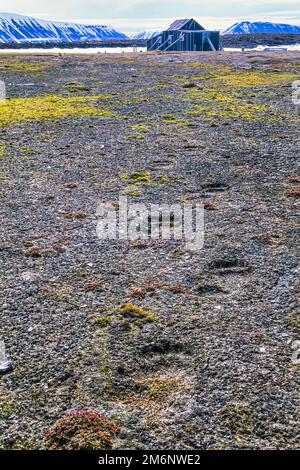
[137, 15]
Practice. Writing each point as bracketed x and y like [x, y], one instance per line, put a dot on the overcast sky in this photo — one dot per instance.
[138, 15]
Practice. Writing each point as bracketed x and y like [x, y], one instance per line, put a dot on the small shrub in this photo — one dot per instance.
[81, 430]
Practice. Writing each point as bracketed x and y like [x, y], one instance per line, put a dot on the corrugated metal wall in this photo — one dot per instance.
[184, 41]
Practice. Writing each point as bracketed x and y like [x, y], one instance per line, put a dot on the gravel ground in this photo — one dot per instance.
[213, 369]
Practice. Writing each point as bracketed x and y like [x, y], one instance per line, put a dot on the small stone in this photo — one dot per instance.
[5, 367]
[28, 276]
[189, 85]
[123, 434]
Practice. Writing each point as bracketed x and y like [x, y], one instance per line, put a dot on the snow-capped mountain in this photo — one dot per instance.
[25, 30]
[145, 35]
[261, 27]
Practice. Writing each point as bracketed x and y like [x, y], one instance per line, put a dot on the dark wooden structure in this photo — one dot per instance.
[185, 35]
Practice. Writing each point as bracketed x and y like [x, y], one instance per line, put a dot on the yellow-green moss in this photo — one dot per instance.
[240, 80]
[137, 177]
[106, 370]
[20, 444]
[139, 181]
[135, 136]
[238, 418]
[75, 87]
[294, 321]
[140, 127]
[228, 94]
[207, 68]
[17, 65]
[225, 104]
[164, 179]
[50, 107]
[7, 408]
[134, 193]
[176, 121]
[2, 149]
[103, 322]
[160, 388]
[132, 311]
[238, 110]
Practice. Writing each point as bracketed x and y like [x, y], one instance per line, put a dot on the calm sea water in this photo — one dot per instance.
[75, 50]
[124, 50]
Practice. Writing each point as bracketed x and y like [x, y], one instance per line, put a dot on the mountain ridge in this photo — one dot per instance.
[20, 29]
[144, 35]
[260, 27]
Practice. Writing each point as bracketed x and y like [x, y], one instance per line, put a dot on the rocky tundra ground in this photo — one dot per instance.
[164, 347]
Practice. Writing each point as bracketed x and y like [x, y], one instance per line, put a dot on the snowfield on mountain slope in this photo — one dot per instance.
[24, 30]
[261, 27]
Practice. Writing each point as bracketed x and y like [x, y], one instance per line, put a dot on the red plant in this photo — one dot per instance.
[81, 430]
[136, 293]
[294, 192]
[177, 289]
[209, 206]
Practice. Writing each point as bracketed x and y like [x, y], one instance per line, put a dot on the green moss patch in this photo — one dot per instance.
[12, 64]
[235, 95]
[50, 107]
[129, 310]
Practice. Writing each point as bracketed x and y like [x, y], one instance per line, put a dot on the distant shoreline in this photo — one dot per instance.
[74, 45]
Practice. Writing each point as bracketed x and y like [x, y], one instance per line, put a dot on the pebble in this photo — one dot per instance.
[28, 276]
[5, 367]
